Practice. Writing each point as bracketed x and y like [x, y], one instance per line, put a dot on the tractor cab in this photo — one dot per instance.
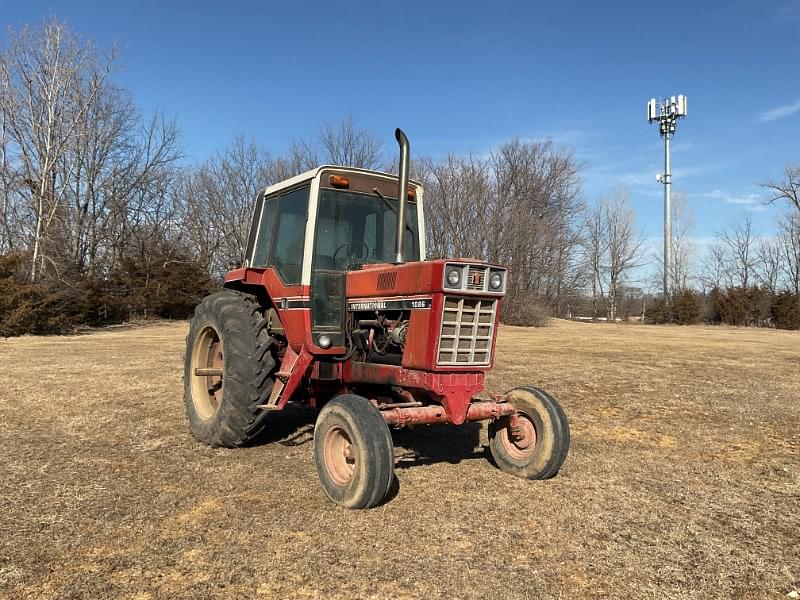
[332, 219]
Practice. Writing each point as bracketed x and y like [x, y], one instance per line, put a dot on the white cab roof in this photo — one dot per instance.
[308, 175]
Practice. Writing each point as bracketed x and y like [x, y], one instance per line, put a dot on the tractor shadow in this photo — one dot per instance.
[438, 444]
[423, 445]
[292, 426]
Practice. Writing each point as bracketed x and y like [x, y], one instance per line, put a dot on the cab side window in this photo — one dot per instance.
[264, 239]
[290, 234]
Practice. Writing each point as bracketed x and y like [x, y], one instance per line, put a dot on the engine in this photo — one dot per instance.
[378, 336]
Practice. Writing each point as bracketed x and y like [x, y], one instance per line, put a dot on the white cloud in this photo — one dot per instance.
[636, 179]
[789, 10]
[753, 202]
[639, 178]
[743, 199]
[781, 112]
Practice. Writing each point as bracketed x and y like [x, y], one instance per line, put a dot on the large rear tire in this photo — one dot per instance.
[229, 369]
[540, 447]
[353, 452]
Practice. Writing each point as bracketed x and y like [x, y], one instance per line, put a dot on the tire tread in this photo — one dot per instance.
[250, 367]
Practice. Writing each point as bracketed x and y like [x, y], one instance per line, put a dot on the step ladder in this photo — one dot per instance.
[292, 370]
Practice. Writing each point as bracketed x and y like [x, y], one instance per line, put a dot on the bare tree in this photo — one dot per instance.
[521, 207]
[683, 249]
[714, 266]
[8, 184]
[43, 73]
[81, 171]
[739, 241]
[788, 189]
[220, 196]
[768, 263]
[789, 245]
[534, 220]
[624, 245]
[682, 246]
[457, 195]
[303, 155]
[344, 144]
[115, 169]
[613, 247]
[596, 248]
[789, 227]
[339, 143]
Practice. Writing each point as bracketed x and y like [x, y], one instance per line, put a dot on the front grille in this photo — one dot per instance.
[467, 330]
[476, 278]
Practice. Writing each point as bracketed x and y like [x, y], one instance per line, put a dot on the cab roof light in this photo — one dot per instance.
[339, 181]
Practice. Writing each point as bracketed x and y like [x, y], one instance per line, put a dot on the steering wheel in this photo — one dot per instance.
[362, 246]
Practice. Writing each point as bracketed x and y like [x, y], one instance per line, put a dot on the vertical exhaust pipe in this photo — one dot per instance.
[402, 196]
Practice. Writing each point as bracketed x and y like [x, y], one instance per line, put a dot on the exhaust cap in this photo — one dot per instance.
[402, 196]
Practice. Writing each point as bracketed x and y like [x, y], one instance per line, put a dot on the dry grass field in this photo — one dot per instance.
[683, 480]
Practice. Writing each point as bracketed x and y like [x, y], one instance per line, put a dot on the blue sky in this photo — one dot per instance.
[465, 76]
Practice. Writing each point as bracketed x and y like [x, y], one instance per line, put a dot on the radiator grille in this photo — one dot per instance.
[467, 330]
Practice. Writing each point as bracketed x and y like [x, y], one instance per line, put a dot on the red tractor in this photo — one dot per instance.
[337, 307]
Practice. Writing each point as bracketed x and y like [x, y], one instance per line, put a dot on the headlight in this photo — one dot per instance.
[324, 341]
[495, 281]
[454, 277]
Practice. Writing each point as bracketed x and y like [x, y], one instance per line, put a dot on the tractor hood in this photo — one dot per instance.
[416, 279]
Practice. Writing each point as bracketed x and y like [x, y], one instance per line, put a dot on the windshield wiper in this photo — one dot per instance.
[384, 198]
[388, 203]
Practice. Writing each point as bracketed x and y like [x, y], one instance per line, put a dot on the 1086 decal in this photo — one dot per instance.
[415, 303]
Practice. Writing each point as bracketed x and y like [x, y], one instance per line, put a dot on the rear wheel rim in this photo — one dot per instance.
[339, 455]
[521, 446]
[207, 390]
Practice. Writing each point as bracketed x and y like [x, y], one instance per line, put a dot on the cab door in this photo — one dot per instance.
[329, 266]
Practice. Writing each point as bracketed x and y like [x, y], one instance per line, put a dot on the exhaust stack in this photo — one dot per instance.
[402, 196]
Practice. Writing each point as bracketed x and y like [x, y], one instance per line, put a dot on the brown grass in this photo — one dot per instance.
[683, 480]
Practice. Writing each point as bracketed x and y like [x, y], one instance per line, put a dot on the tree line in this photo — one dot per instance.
[102, 219]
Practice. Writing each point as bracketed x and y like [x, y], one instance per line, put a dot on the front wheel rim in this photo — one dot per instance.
[339, 456]
[522, 445]
[207, 372]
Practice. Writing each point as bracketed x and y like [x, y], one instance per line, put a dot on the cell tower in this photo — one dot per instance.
[667, 112]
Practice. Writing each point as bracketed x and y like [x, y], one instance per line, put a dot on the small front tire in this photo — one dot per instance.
[353, 452]
[539, 447]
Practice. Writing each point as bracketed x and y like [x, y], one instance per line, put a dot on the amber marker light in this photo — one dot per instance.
[338, 181]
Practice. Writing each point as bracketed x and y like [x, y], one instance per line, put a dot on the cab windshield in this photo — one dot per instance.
[355, 228]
